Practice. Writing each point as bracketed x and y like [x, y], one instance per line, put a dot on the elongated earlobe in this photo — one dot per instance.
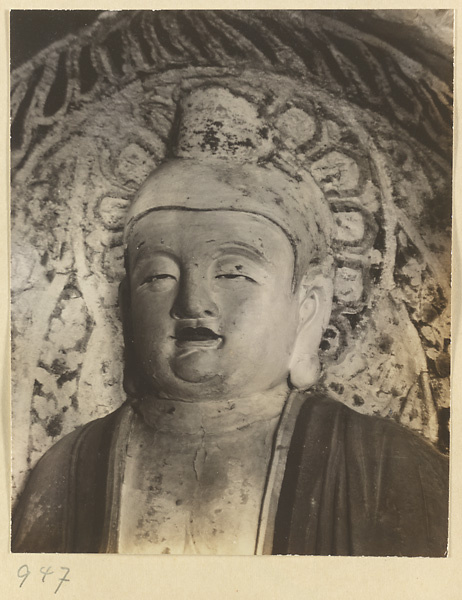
[305, 371]
[315, 309]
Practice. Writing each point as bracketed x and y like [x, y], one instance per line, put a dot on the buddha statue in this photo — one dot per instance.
[221, 447]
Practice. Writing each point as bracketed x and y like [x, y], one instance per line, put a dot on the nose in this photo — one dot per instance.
[194, 299]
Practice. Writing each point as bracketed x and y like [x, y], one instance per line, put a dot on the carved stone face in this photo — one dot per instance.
[212, 309]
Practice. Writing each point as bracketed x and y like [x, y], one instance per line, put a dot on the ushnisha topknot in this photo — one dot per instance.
[224, 159]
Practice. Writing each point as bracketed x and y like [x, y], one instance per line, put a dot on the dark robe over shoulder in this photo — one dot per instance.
[353, 485]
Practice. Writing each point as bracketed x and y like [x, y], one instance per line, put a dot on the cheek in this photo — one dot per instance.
[265, 312]
[150, 315]
[241, 307]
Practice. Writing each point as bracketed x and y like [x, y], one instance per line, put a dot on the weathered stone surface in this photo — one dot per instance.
[349, 227]
[336, 172]
[133, 165]
[348, 284]
[235, 128]
[112, 211]
[296, 127]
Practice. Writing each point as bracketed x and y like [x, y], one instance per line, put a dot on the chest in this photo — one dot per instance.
[195, 493]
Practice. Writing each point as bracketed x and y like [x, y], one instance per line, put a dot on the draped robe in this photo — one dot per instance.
[351, 485]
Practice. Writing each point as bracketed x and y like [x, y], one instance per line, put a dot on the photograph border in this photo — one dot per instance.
[118, 576]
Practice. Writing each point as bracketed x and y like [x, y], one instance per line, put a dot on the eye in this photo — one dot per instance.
[158, 277]
[238, 276]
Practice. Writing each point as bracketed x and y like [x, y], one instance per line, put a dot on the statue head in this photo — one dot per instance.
[228, 286]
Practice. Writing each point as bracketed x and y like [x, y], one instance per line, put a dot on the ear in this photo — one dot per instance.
[131, 378]
[315, 302]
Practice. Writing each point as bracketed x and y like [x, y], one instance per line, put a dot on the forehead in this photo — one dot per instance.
[181, 231]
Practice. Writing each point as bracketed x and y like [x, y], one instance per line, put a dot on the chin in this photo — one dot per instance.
[202, 375]
[190, 386]
[197, 366]
[217, 387]
[204, 387]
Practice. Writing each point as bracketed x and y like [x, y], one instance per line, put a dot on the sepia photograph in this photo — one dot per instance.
[231, 281]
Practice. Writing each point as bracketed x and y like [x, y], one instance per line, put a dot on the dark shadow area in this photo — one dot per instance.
[34, 30]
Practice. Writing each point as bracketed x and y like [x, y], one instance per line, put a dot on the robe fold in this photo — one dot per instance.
[353, 485]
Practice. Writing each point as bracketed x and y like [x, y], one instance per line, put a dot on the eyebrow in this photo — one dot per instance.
[242, 248]
[142, 252]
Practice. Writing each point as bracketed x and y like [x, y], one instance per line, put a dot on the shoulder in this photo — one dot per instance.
[56, 463]
[363, 433]
[396, 482]
[40, 518]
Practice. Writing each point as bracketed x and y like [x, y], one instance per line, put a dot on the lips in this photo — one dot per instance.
[197, 336]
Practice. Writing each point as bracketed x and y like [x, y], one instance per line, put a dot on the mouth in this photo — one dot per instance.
[197, 336]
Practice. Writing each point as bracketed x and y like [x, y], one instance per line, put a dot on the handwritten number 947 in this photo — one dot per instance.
[23, 574]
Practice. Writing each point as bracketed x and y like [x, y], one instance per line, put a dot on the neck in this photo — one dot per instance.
[212, 415]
